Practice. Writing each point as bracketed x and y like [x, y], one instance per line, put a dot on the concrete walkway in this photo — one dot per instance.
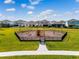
[42, 50]
[42, 47]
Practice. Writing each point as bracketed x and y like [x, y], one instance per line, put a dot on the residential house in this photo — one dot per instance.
[19, 23]
[5, 23]
[73, 23]
[57, 23]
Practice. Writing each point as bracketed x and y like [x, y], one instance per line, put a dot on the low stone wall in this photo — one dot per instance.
[65, 34]
[26, 39]
[36, 38]
[56, 38]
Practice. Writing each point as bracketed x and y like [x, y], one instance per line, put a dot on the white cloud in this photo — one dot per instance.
[69, 14]
[1, 15]
[43, 15]
[77, 0]
[76, 11]
[10, 9]
[29, 12]
[46, 14]
[27, 6]
[72, 14]
[9, 1]
[31, 7]
[13, 2]
[35, 2]
[23, 5]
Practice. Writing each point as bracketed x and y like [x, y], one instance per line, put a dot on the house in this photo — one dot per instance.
[0, 24]
[29, 23]
[57, 23]
[19, 23]
[5, 23]
[37, 23]
[73, 23]
[43, 23]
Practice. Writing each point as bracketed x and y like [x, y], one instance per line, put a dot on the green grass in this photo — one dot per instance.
[41, 57]
[71, 41]
[9, 41]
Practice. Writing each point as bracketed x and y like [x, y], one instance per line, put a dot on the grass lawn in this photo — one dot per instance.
[71, 41]
[9, 41]
[41, 57]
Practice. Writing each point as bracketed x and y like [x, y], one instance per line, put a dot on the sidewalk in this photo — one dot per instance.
[42, 50]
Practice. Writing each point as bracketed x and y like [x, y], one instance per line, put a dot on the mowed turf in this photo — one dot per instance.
[71, 41]
[41, 57]
[9, 41]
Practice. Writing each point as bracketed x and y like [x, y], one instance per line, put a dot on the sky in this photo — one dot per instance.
[33, 10]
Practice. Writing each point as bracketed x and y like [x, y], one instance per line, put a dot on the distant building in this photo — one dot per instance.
[57, 23]
[0, 24]
[42, 23]
[45, 23]
[37, 23]
[73, 23]
[5, 23]
[19, 23]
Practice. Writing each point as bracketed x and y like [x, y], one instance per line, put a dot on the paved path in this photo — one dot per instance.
[42, 50]
[19, 53]
[42, 47]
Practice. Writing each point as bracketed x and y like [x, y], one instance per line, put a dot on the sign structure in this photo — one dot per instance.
[41, 35]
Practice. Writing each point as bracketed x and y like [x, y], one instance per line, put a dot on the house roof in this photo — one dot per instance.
[72, 20]
[57, 22]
